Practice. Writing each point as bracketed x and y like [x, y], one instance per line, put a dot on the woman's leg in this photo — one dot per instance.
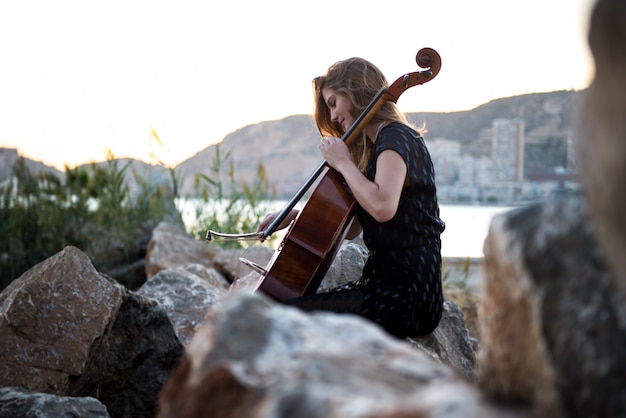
[340, 301]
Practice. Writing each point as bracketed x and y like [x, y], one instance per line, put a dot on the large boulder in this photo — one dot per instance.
[68, 330]
[52, 319]
[553, 323]
[171, 246]
[255, 358]
[602, 133]
[186, 297]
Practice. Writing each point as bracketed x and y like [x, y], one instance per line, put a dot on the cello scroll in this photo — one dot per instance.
[426, 58]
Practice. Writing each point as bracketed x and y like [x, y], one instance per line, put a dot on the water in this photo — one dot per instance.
[466, 229]
[464, 236]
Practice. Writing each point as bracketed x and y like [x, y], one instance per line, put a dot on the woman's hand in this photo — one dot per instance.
[269, 218]
[379, 198]
[335, 152]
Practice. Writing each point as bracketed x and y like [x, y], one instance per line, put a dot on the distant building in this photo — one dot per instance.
[497, 177]
[445, 155]
[467, 171]
[507, 151]
[484, 173]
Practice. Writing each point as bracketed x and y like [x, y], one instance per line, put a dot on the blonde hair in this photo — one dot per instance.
[360, 81]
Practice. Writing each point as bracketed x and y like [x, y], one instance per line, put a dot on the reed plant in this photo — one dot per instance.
[98, 209]
[93, 208]
[228, 205]
[456, 275]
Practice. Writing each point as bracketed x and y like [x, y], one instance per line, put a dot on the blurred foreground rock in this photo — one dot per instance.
[18, 402]
[255, 358]
[553, 323]
[602, 133]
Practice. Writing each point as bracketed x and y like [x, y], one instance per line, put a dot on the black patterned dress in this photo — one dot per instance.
[400, 288]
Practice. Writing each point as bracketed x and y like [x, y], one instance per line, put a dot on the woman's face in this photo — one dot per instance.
[340, 107]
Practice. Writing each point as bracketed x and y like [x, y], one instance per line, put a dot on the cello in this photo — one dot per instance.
[314, 237]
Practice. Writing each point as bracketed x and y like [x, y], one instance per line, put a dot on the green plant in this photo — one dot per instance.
[94, 209]
[456, 276]
[108, 209]
[226, 205]
[31, 210]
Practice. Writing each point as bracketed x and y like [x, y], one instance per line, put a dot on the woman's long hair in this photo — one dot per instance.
[360, 81]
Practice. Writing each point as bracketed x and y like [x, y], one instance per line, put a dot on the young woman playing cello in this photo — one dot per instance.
[389, 171]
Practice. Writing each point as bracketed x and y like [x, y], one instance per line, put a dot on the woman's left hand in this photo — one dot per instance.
[334, 151]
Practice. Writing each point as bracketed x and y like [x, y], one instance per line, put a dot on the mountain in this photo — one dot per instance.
[288, 147]
[8, 157]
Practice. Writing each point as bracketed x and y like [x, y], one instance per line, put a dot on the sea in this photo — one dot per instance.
[466, 229]
[464, 236]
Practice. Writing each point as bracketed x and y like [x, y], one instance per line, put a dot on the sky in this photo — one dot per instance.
[162, 80]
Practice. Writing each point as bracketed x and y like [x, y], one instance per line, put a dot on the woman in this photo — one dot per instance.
[390, 173]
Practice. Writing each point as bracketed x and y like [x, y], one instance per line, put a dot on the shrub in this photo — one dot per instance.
[93, 209]
[227, 205]
[96, 209]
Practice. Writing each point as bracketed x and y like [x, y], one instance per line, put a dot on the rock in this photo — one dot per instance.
[228, 261]
[553, 325]
[186, 298]
[52, 318]
[467, 301]
[171, 246]
[131, 275]
[71, 331]
[451, 343]
[247, 283]
[601, 135]
[254, 358]
[142, 350]
[18, 402]
[210, 275]
[346, 267]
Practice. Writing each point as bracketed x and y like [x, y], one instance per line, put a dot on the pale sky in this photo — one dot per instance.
[80, 76]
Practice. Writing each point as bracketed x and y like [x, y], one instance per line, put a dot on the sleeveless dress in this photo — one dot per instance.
[400, 288]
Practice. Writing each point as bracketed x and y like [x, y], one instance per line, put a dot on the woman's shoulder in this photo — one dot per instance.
[396, 132]
[395, 128]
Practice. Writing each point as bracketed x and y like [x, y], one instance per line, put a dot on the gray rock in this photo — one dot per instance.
[18, 402]
[553, 323]
[601, 133]
[451, 343]
[186, 298]
[228, 261]
[255, 358]
[171, 246]
[70, 331]
[52, 318]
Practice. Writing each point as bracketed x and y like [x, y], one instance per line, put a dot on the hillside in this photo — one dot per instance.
[287, 147]
[8, 157]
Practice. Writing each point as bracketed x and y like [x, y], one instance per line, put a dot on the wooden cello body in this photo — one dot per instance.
[309, 247]
[306, 252]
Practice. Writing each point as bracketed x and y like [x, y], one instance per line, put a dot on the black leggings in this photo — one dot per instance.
[405, 303]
